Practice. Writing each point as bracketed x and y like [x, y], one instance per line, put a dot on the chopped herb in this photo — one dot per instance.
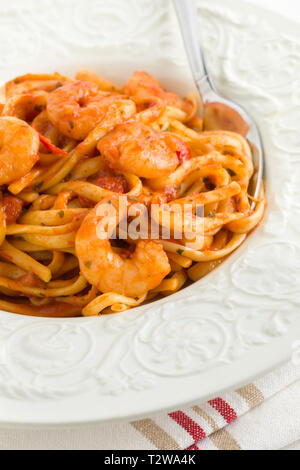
[180, 252]
[24, 211]
[136, 299]
[38, 187]
[212, 215]
[210, 186]
[109, 202]
[88, 264]
[71, 124]
[132, 198]
[61, 214]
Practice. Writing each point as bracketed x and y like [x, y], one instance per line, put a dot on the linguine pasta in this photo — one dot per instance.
[70, 148]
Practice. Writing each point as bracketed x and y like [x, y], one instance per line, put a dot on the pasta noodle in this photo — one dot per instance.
[113, 196]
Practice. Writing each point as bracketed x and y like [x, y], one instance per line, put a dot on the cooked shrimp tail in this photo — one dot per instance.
[132, 275]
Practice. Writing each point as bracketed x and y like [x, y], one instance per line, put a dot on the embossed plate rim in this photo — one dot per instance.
[36, 388]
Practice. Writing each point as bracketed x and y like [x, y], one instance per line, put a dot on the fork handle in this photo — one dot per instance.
[188, 20]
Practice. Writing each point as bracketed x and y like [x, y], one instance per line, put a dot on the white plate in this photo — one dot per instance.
[239, 322]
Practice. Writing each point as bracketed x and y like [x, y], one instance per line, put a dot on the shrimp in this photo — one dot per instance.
[26, 106]
[19, 146]
[137, 149]
[109, 271]
[33, 82]
[86, 75]
[142, 85]
[77, 108]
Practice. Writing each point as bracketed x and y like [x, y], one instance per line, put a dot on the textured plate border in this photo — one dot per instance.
[240, 321]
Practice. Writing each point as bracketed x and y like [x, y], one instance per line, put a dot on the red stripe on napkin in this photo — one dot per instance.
[193, 447]
[188, 425]
[224, 409]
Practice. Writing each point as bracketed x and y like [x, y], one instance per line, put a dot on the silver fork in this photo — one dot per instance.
[224, 114]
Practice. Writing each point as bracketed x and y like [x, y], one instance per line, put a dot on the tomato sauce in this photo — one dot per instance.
[116, 184]
[12, 208]
[31, 280]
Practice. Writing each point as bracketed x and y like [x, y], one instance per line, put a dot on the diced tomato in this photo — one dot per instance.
[184, 152]
[86, 203]
[12, 207]
[116, 184]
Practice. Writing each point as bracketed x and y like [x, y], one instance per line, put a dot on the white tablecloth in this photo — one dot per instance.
[89, 437]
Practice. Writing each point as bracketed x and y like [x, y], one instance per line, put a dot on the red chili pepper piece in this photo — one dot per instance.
[184, 152]
[48, 144]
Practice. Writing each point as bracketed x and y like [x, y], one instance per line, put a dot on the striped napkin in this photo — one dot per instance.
[264, 415]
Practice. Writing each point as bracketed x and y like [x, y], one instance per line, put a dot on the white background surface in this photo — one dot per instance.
[291, 9]
[86, 438]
